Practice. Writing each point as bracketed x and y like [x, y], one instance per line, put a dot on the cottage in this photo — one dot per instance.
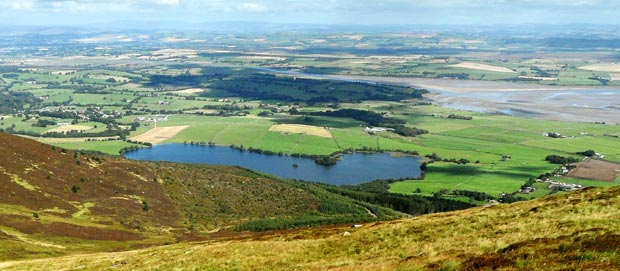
[154, 118]
[372, 130]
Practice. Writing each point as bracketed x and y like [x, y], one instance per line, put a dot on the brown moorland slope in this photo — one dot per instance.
[57, 202]
[577, 231]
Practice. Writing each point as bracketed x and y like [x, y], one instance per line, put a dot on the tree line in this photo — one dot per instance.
[374, 119]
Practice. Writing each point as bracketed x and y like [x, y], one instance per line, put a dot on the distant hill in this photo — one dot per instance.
[578, 231]
[57, 202]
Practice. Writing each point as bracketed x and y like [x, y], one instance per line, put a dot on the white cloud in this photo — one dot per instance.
[22, 4]
[314, 11]
[252, 7]
[166, 2]
[85, 4]
[270, 5]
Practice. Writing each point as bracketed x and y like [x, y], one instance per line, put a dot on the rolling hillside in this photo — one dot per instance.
[57, 202]
[576, 231]
[65, 211]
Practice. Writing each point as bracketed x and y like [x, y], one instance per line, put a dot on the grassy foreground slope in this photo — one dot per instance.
[58, 202]
[577, 231]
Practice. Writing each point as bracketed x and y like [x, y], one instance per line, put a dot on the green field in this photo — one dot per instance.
[109, 147]
[241, 103]
[487, 138]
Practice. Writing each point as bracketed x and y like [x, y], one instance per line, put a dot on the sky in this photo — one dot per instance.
[173, 13]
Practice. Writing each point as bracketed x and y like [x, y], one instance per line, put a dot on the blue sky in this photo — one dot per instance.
[170, 13]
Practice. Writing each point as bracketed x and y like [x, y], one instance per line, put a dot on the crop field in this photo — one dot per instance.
[190, 91]
[159, 134]
[301, 129]
[483, 67]
[67, 128]
[596, 170]
[602, 67]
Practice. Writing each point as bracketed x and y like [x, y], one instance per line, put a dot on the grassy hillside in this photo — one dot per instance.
[57, 202]
[577, 231]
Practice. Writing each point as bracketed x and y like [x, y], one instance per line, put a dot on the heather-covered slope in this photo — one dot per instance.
[577, 231]
[56, 202]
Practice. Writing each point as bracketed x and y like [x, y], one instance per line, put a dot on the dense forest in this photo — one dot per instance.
[265, 86]
[11, 102]
[409, 204]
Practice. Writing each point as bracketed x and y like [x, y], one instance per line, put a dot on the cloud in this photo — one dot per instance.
[23, 4]
[315, 11]
[167, 2]
[252, 7]
[84, 4]
[332, 6]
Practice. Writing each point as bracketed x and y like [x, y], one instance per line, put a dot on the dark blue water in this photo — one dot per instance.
[352, 169]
